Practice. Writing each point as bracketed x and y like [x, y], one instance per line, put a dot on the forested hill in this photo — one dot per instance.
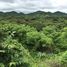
[36, 39]
[49, 14]
[37, 19]
[55, 14]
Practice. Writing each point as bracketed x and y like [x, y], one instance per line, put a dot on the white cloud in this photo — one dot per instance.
[33, 5]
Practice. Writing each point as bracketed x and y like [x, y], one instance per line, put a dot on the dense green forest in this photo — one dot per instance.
[37, 39]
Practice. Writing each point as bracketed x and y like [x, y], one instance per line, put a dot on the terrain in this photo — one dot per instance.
[36, 39]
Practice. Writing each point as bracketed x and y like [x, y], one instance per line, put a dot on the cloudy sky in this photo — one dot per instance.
[33, 5]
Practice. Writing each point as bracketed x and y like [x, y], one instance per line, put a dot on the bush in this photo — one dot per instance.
[2, 65]
[63, 59]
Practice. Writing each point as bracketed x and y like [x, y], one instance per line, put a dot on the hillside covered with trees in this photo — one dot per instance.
[37, 39]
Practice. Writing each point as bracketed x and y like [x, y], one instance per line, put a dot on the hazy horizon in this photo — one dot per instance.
[29, 6]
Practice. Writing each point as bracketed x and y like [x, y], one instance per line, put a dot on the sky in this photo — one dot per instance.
[28, 6]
